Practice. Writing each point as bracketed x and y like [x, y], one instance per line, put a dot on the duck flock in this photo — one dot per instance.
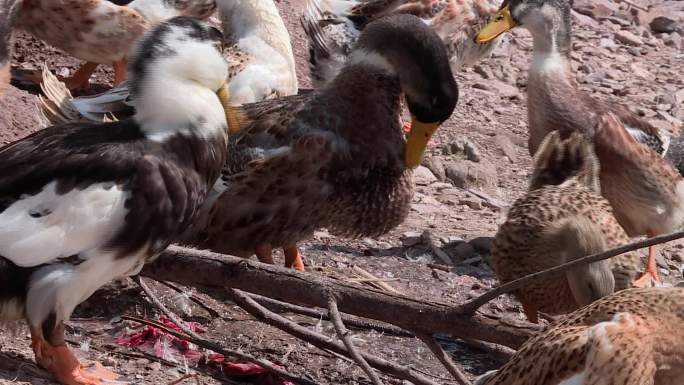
[206, 140]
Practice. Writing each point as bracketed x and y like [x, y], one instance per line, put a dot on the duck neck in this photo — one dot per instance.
[552, 44]
[162, 114]
[372, 94]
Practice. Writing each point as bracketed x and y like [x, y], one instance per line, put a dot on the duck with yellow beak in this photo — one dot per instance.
[645, 191]
[336, 157]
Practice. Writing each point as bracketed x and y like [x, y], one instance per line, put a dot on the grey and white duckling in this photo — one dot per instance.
[258, 50]
[646, 192]
[338, 24]
[336, 157]
[82, 204]
[563, 217]
[99, 31]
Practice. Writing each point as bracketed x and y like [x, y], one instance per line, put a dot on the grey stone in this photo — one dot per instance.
[411, 238]
[628, 38]
[663, 24]
[422, 176]
[467, 174]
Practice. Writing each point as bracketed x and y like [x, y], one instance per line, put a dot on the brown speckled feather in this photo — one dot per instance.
[99, 31]
[559, 219]
[633, 337]
[299, 163]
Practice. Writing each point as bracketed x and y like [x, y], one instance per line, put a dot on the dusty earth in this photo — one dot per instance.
[477, 166]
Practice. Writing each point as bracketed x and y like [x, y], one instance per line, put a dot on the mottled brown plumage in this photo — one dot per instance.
[562, 217]
[644, 190]
[99, 31]
[338, 24]
[633, 337]
[330, 158]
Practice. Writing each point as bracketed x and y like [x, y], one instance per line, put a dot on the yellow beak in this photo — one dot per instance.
[232, 113]
[417, 141]
[502, 22]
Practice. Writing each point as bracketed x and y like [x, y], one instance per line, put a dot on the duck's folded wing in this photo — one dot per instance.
[56, 200]
[49, 225]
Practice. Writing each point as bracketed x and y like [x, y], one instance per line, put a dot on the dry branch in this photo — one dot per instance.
[445, 359]
[202, 268]
[198, 340]
[343, 334]
[323, 342]
[471, 307]
[360, 323]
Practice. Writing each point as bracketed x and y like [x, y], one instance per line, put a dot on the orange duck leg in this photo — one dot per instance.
[56, 358]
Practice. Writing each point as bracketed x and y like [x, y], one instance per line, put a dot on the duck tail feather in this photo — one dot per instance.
[331, 36]
[558, 160]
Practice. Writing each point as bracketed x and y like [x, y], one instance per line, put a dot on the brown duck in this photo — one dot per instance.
[561, 218]
[633, 337]
[336, 157]
[645, 191]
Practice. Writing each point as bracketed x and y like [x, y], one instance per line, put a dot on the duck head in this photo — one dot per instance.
[549, 21]
[178, 79]
[404, 46]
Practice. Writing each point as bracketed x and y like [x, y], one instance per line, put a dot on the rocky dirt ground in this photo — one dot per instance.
[478, 164]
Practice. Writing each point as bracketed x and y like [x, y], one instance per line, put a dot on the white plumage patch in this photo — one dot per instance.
[43, 227]
[61, 287]
[178, 93]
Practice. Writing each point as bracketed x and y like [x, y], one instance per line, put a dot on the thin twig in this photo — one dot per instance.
[377, 283]
[344, 335]
[183, 378]
[193, 297]
[195, 338]
[323, 342]
[445, 359]
[471, 307]
[282, 307]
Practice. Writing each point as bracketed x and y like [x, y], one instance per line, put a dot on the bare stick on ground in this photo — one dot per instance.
[472, 306]
[203, 268]
[344, 335]
[323, 342]
[195, 338]
[445, 359]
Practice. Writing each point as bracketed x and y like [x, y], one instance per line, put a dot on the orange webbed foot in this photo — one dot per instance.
[650, 277]
[66, 368]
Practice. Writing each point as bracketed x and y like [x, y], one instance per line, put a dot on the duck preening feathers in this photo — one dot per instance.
[633, 337]
[561, 218]
[645, 191]
[336, 157]
[82, 204]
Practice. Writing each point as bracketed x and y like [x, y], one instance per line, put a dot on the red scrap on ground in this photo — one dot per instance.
[166, 346]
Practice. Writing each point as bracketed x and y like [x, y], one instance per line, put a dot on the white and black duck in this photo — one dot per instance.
[82, 204]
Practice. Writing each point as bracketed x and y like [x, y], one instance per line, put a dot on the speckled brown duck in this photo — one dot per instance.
[633, 337]
[561, 218]
[341, 21]
[336, 157]
[99, 31]
[645, 191]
